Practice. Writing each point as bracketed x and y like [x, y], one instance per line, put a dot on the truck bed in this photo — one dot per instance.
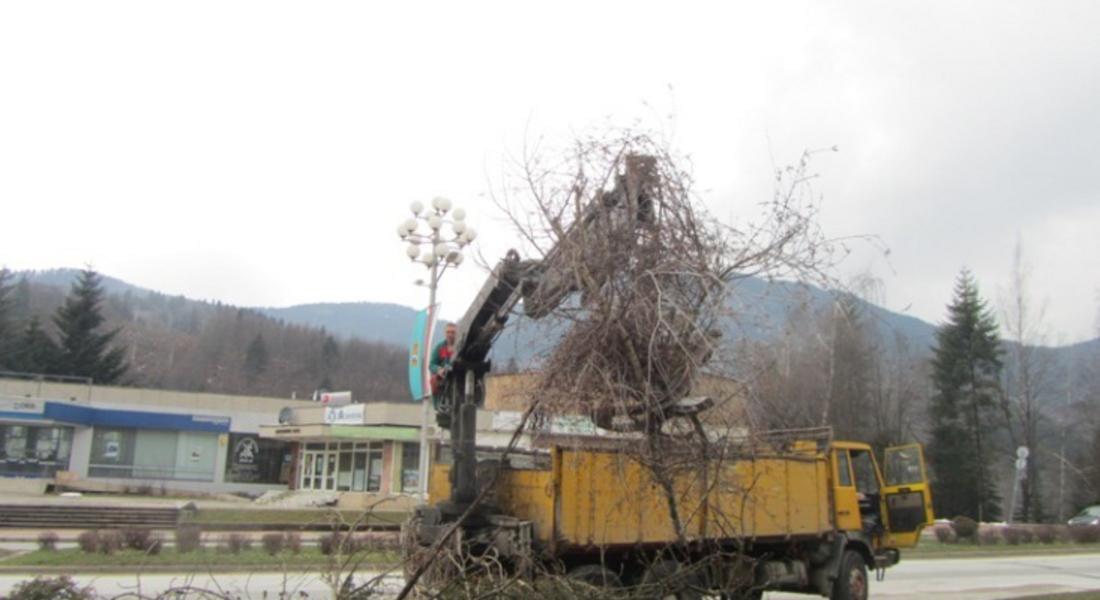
[602, 498]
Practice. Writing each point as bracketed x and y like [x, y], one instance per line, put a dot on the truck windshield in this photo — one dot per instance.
[903, 466]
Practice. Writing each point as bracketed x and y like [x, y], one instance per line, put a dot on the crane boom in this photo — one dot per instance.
[542, 285]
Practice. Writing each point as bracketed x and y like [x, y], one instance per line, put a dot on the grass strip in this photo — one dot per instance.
[935, 549]
[206, 557]
[304, 517]
[1095, 595]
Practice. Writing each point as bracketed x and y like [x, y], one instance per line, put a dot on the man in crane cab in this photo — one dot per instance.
[442, 355]
[867, 491]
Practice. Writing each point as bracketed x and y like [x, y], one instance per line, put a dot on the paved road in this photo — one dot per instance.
[984, 578]
[235, 585]
[960, 578]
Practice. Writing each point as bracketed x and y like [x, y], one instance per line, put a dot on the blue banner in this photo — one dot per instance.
[417, 355]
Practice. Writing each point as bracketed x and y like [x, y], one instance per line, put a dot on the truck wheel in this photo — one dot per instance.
[851, 581]
[595, 576]
[668, 579]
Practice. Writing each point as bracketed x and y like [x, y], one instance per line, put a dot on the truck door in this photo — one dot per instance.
[844, 492]
[906, 498]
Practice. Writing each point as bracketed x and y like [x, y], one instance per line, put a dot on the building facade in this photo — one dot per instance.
[104, 438]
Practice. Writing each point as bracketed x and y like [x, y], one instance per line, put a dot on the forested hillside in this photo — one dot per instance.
[171, 342]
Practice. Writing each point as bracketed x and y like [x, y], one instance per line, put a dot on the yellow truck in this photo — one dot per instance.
[812, 517]
[725, 516]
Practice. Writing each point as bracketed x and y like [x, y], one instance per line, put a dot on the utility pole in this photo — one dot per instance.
[439, 252]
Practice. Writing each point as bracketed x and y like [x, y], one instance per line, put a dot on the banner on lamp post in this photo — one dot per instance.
[418, 353]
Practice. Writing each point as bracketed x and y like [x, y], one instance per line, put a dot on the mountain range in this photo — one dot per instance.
[756, 309]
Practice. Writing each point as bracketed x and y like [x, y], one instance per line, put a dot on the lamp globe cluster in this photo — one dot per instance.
[436, 235]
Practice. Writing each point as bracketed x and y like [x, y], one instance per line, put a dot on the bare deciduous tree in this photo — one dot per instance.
[1026, 381]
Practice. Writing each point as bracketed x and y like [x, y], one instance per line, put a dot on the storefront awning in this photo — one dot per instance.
[339, 432]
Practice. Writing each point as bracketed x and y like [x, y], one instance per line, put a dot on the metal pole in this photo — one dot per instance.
[425, 417]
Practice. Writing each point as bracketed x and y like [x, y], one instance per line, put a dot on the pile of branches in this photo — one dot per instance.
[647, 273]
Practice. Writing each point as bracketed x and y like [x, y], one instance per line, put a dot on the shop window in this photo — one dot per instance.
[410, 467]
[153, 454]
[374, 479]
[34, 451]
[342, 466]
[256, 460]
[344, 476]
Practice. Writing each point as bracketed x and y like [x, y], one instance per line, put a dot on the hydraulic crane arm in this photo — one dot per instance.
[542, 285]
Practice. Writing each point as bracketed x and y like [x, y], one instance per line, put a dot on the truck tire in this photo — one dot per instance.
[595, 576]
[668, 579]
[851, 581]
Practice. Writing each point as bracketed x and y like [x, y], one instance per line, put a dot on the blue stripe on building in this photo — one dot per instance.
[103, 417]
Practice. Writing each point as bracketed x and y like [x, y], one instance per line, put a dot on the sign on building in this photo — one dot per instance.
[352, 414]
[335, 398]
[21, 405]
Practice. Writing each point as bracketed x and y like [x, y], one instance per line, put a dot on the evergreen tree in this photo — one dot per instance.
[7, 321]
[255, 358]
[850, 368]
[330, 353]
[36, 351]
[84, 351]
[965, 374]
[21, 300]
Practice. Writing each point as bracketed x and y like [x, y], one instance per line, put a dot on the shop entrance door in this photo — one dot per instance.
[315, 473]
[341, 466]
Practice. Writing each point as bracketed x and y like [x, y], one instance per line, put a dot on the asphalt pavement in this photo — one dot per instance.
[984, 578]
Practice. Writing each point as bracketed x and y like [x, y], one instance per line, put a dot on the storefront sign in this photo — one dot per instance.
[335, 398]
[21, 405]
[352, 414]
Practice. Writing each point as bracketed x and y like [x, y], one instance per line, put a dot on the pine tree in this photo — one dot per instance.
[7, 322]
[255, 358]
[330, 354]
[84, 351]
[21, 300]
[965, 374]
[36, 352]
[850, 368]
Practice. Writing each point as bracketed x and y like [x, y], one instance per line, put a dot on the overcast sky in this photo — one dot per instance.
[263, 153]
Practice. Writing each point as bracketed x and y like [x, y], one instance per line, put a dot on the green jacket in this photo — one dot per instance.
[442, 355]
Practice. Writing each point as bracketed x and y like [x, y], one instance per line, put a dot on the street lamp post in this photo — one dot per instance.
[438, 252]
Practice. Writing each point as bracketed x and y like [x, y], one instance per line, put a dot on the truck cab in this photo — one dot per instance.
[886, 507]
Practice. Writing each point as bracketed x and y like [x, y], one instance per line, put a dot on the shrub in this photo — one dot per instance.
[1046, 534]
[273, 543]
[1027, 535]
[47, 540]
[965, 527]
[188, 537]
[989, 536]
[330, 544]
[1085, 534]
[236, 542]
[154, 544]
[51, 588]
[338, 543]
[137, 538]
[88, 541]
[1012, 535]
[111, 542]
[945, 534]
[381, 543]
[294, 542]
